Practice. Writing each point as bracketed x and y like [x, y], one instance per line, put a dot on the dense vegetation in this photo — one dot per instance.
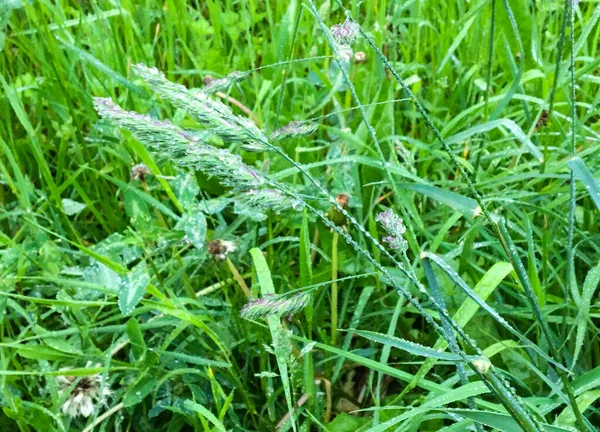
[288, 215]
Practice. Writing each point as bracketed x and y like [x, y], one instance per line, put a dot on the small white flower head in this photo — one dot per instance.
[139, 171]
[345, 33]
[87, 391]
[394, 226]
[482, 364]
[360, 57]
[219, 249]
[345, 53]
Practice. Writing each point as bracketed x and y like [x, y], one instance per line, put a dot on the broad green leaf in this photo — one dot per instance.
[138, 391]
[136, 337]
[132, 288]
[494, 124]
[71, 207]
[459, 394]
[584, 401]
[39, 352]
[501, 422]
[201, 410]
[466, 206]
[194, 227]
[589, 287]
[584, 175]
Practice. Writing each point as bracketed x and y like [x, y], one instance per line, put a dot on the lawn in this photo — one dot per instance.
[299, 215]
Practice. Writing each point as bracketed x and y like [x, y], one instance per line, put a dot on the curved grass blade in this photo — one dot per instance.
[585, 176]
[483, 305]
[411, 347]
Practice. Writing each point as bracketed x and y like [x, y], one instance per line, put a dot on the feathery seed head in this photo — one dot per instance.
[220, 85]
[274, 305]
[294, 129]
[212, 113]
[269, 199]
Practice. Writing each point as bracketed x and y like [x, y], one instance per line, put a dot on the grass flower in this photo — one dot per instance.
[274, 305]
[212, 113]
[345, 33]
[394, 226]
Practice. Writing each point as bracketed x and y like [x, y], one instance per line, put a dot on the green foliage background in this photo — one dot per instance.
[98, 273]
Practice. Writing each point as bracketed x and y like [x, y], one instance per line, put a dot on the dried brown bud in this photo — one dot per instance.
[219, 249]
[139, 171]
[343, 200]
[208, 79]
[543, 120]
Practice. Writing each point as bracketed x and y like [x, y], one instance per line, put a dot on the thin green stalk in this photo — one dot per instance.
[488, 84]
[511, 250]
[450, 337]
[411, 237]
[572, 198]
[334, 287]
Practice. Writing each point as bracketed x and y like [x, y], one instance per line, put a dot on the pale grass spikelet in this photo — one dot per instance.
[223, 164]
[159, 135]
[212, 113]
[394, 226]
[224, 84]
[274, 305]
[220, 249]
[179, 146]
[85, 394]
[294, 129]
[268, 199]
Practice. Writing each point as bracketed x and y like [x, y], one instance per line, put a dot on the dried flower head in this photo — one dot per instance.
[219, 249]
[87, 391]
[343, 199]
[294, 129]
[274, 305]
[394, 226]
[360, 57]
[139, 171]
[335, 215]
[345, 33]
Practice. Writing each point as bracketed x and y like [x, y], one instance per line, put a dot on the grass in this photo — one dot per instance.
[475, 121]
